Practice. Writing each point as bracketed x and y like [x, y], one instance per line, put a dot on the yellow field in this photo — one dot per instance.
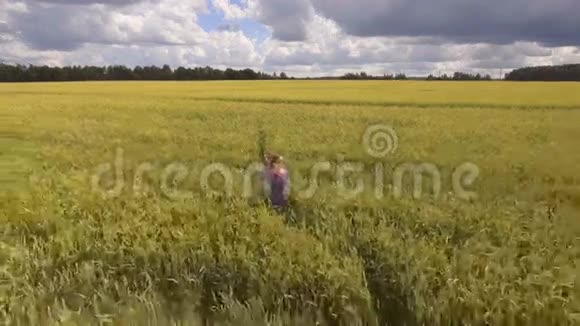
[414, 93]
[509, 256]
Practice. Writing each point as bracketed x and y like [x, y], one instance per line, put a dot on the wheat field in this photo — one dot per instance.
[155, 252]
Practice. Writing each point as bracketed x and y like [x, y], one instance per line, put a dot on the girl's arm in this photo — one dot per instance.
[262, 147]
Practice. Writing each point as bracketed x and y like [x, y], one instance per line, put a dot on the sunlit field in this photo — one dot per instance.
[410, 93]
[106, 215]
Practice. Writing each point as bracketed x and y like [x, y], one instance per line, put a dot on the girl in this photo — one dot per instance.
[276, 179]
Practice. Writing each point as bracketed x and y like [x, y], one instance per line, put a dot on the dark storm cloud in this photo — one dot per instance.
[551, 22]
[4, 27]
[4, 33]
[56, 27]
[287, 18]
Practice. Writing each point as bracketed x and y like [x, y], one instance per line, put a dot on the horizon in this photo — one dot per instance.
[304, 38]
[276, 75]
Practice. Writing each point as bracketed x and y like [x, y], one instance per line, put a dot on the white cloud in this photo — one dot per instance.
[328, 49]
[230, 10]
[286, 19]
[303, 41]
[66, 27]
[140, 33]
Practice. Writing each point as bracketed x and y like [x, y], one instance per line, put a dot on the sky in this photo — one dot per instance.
[299, 37]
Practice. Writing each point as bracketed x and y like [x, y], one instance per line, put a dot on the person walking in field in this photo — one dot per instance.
[276, 181]
[275, 176]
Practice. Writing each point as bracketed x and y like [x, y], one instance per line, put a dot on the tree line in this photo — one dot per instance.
[460, 76]
[31, 73]
[401, 76]
[365, 76]
[546, 73]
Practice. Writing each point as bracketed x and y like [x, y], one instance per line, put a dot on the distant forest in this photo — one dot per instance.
[365, 76]
[460, 76]
[546, 73]
[21, 73]
[31, 73]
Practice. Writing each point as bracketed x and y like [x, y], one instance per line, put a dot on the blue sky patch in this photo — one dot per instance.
[215, 20]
